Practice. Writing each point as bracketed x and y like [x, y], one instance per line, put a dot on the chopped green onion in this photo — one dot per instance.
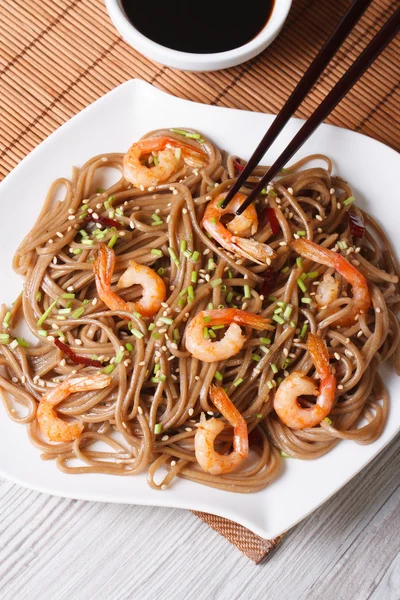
[60, 318]
[173, 256]
[85, 301]
[156, 252]
[301, 233]
[223, 288]
[83, 233]
[265, 349]
[118, 357]
[166, 320]
[312, 274]
[328, 420]
[129, 347]
[39, 296]
[183, 292]
[306, 300]
[247, 292]
[218, 376]
[221, 306]
[119, 211]
[211, 264]
[279, 380]
[78, 312]
[183, 245]
[211, 333]
[278, 310]
[284, 455]
[6, 320]
[100, 191]
[299, 262]
[151, 327]
[157, 428]
[301, 285]
[47, 312]
[349, 201]
[156, 368]
[278, 319]
[303, 330]
[87, 242]
[285, 270]
[155, 160]
[160, 271]
[111, 214]
[193, 277]
[187, 253]
[23, 342]
[281, 304]
[4, 338]
[270, 384]
[272, 298]
[195, 256]
[213, 220]
[42, 333]
[177, 154]
[206, 335]
[259, 416]
[274, 368]
[156, 218]
[177, 335]
[238, 382]
[156, 335]
[137, 315]
[303, 276]
[137, 333]
[292, 324]
[108, 203]
[265, 340]
[77, 251]
[256, 357]
[181, 302]
[190, 293]
[229, 297]
[342, 245]
[112, 241]
[206, 319]
[68, 296]
[287, 313]
[216, 327]
[14, 344]
[216, 282]
[162, 377]
[109, 369]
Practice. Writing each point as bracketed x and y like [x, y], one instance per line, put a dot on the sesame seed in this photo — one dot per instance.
[332, 191]
[99, 205]
[319, 230]
[188, 429]
[94, 301]
[347, 341]
[357, 250]
[283, 243]
[50, 338]
[90, 210]
[14, 379]
[296, 237]
[339, 206]
[378, 310]
[164, 487]
[319, 218]
[78, 342]
[190, 412]
[340, 387]
[290, 190]
[55, 326]
[244, 305]
[140, 410]
[285, 351]
[208, 197]
[85, 201]
[55, 260]
[142, 187]
[348, 353]
[337, 356]
[63, 362]
[165, 438]
[359, 334]
[70, 288]
[173, 463]
[184, 211]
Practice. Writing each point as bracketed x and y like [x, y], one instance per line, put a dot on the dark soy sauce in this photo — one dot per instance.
[201, 27]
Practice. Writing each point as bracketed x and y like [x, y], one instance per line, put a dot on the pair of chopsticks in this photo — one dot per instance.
[366, 58]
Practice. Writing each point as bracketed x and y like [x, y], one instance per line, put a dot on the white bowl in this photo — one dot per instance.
[189, 61]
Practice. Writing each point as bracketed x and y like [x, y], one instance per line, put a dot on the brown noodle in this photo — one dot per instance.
[53, 259]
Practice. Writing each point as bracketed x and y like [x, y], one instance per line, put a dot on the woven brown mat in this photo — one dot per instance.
[58, 56]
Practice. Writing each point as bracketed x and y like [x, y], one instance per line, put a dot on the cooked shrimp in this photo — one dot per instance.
[233, 236]
[233, 340]
[327, 290]
[168, 160]
[285, 401]
[206, 456]
[154, 291]
[324, 256]
[52, 426]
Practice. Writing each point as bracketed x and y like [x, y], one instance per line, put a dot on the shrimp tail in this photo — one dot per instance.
[319, 355]
[255, 321]
[221, 400]
[253, 250]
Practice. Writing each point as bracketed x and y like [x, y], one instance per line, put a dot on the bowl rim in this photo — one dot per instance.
[190, 60]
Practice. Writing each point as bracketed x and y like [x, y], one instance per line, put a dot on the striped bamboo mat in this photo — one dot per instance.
[58, 56]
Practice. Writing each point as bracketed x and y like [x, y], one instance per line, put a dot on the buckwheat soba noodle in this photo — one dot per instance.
[181, 337]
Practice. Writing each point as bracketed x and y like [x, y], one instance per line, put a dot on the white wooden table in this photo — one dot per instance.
[58, 549]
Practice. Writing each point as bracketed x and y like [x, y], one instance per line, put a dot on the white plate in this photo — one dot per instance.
[111, 124]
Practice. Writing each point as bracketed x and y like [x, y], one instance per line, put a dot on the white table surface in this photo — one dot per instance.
[59, 549]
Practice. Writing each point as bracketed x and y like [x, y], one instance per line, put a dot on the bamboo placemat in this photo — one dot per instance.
[58, 56]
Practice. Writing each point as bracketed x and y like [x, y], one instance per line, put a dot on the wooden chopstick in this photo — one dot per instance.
[329, 49]
[366, 58]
